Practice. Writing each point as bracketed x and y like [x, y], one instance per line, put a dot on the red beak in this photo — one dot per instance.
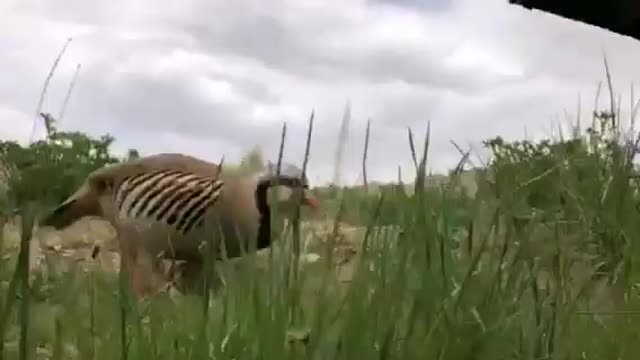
[311, 201]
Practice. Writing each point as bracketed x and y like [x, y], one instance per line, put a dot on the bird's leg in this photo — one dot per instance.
[190, 275]
[144, 278]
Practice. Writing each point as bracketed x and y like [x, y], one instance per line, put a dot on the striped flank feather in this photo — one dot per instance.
[174, 197]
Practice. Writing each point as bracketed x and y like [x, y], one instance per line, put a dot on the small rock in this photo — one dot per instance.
[298, 336]
[310, 258]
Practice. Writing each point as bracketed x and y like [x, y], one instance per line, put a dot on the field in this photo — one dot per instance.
[434, 274]
[532, 257]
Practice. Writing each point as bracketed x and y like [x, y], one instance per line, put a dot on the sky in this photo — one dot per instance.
[213, 78]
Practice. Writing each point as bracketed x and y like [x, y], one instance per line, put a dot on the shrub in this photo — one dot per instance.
[45, 172]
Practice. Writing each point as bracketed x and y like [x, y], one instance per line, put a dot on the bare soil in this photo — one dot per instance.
[59, 251]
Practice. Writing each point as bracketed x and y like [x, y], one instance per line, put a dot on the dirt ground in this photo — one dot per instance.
[58, 251]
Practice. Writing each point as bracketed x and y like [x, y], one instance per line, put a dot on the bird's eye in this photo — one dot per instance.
[104, 185]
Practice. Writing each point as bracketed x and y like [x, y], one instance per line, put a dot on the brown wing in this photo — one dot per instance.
[117, 172]
[85, 200]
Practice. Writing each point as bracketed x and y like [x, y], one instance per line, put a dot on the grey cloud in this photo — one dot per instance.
[549, 45]
[285, 57]
[412, 108]
[98, 12]
[297, 43]
[142, 111]
[301, 48]
[143, 103]
[411, 66]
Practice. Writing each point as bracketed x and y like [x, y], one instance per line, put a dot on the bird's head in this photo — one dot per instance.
[88, 200]
[290, 186]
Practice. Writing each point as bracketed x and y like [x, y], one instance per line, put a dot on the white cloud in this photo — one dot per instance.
[481, 58]
[16, 125]
[212, 78]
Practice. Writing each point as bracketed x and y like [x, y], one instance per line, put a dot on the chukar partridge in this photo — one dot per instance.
[158, 205]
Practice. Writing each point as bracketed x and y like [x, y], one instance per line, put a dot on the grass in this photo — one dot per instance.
[428, 287]
[538, 264]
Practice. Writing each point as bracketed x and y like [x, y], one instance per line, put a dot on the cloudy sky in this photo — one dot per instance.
[213, 77]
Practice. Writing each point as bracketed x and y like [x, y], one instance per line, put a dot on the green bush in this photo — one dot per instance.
[584, 183]
[46, 172]
[427, 287]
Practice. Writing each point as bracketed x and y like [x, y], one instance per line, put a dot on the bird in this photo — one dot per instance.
[161, 206]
